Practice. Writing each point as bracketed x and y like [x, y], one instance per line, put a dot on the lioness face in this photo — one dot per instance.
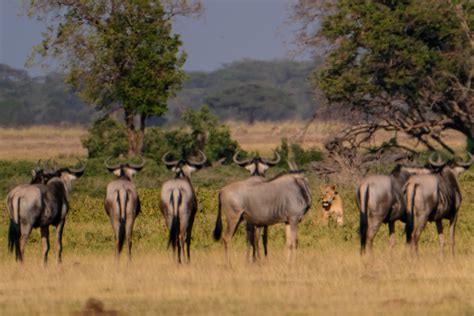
[327, 194]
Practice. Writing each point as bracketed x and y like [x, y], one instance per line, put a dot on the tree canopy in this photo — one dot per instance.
[117, 53]
[406, 64]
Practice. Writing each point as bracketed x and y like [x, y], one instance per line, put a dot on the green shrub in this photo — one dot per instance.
[203, 133]
[298, 154]
[106, 137]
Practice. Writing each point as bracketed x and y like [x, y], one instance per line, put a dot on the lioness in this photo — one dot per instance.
[331, 203]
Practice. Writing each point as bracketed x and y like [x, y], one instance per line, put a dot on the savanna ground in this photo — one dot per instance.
[329, 276]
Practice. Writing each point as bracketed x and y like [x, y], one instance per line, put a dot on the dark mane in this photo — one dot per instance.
[284, 173]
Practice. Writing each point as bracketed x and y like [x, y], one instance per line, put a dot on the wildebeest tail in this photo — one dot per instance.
[363, 199]
[410, 191]
[175, 201]
[218, 228]
[122, 200]
[14, 231]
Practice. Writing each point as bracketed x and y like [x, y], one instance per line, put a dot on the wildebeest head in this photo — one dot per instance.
[327, 195]
[184, 167]
[38, 174]
[256, 165]
[457, 164]
[67, 173]
[125, 170]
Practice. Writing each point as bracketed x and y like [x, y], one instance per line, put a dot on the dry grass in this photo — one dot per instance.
[57, 142]
[41, 142]
[331, 281]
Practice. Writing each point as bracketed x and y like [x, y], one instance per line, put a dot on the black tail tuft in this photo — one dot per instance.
[410, 214]
[364, 221]
[218, 229]
[14, 234]
[174, 232]
[121, 234]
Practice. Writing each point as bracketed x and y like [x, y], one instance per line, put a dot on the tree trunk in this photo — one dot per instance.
[135, 136]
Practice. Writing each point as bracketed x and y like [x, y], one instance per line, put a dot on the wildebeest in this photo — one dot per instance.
[40, 205]
[178, 203]
[257, 167]
[331, 203]
[122, 203]
[380, 200]
[284, 199]
[434, 197]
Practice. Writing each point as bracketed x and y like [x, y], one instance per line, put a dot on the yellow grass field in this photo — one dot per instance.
[328, 277]
[58, 142]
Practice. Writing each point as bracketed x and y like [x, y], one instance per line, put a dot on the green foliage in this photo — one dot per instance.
[203, 133]
[400, 51]
[106, 138]
[296, 153]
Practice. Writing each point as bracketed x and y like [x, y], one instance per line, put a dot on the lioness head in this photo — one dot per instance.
[327, 194]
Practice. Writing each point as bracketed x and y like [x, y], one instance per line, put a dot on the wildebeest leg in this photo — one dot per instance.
[116, 228]
[250, 230]
[25, 234]
[59, 238]
[188, 236]
[391, 234]
[233, 221]
[265, 240]
[256, 239]
[452, 228]
[374, 225]
[439, 228]
[45, 242]
[291, 240]
[419, 225]
[128, 236]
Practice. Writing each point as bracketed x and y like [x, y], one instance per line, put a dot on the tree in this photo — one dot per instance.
[406, 67]
[117, 53]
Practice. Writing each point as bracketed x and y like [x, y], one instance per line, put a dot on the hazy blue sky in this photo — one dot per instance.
[229, 30]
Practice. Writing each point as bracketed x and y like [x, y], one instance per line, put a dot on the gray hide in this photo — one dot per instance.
[257, 167]
[178, 204]
[122, 204]
[283, 199]
[40, 205]
[434, 197]
[380, 200]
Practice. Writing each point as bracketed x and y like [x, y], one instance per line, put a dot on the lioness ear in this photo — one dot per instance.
[333, 187]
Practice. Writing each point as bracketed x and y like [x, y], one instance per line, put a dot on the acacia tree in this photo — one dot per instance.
[407, 65]
[117, 54]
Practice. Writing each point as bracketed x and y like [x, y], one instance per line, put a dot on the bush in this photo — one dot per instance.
[106, 137]
[299, 155]
[205, 134]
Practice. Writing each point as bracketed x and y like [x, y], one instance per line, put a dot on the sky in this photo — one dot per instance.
[228, 30]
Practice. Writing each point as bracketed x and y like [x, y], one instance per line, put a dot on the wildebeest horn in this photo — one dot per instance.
[465, 164]
[47, 166]
[110, 167]
[168, 163]
[240, 162]
[199, 163]
[81, 168]
[438, 163]
[273, 162]
[139, 166]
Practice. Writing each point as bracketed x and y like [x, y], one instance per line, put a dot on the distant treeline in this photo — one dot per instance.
[247, 90]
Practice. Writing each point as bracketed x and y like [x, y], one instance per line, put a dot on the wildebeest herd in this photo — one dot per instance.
[413, 195]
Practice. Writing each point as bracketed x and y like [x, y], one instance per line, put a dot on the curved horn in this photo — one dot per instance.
[168, 163]
[106, 164]
[273, 162]
[199, 163]
[438, 163]
[139, 166]
[465, 164]
[240, 162]
[81, 168]
[47, 166]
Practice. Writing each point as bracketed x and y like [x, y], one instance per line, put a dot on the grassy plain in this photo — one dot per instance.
[328, 277]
